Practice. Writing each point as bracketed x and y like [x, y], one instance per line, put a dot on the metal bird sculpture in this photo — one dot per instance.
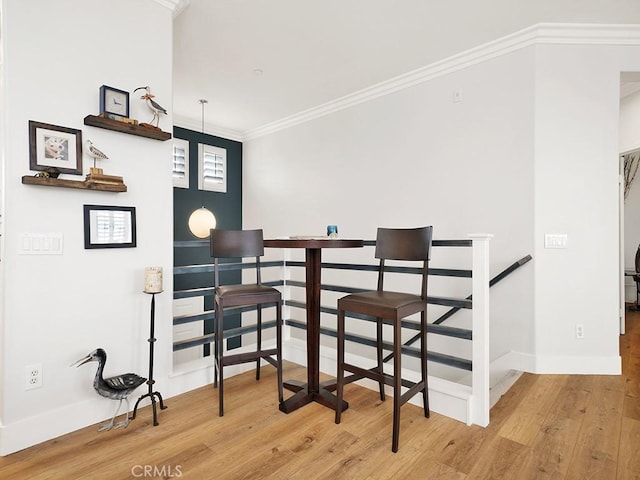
[94, 152]
[116, 388]
[153, 105]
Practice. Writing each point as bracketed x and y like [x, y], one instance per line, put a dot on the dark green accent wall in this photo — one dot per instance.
[227, 208]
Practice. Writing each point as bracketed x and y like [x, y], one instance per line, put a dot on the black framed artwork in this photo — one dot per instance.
[51, 146]
[107, 226]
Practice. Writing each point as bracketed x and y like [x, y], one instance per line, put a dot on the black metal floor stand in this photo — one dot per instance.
[151, 394]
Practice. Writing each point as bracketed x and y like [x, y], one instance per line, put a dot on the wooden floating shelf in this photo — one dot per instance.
[131, 129]
[83, 185]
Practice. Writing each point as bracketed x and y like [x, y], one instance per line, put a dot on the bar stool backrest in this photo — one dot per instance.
[408, 244]
[236, 244]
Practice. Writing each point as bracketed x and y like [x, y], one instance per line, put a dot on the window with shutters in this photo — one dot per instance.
[180, 163]
[212, 168]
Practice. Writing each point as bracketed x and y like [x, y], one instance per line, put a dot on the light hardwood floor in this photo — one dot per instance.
[545, 427]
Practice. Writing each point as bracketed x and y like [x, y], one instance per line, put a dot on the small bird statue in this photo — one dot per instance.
[153, 106]
[116, 388]
[94, 152]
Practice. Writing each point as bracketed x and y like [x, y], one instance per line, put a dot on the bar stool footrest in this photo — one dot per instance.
[247, 357]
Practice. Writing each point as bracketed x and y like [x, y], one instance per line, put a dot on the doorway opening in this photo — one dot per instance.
[629, 198]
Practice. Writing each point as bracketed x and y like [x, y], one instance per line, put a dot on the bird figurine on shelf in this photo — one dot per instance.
[116, 388]
[153, 106]
[96, 154]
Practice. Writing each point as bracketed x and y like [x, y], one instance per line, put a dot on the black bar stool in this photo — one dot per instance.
[390, 307]
[240, 244]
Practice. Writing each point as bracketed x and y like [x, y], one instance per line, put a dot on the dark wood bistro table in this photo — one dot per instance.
[312, 391]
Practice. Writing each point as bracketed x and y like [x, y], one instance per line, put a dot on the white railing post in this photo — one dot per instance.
[480, 403]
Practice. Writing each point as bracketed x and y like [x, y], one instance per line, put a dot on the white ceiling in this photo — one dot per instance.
[259, 61]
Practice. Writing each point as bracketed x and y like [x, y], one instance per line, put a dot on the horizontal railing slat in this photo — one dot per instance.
[208, 268]
[211, 314]
[210, 337]
[413, 325]
[442, 272]
[448, 302]
[411, 351]
[183, 319]
[367, 243]
[446, 272]
[194, 292]
[434, 243]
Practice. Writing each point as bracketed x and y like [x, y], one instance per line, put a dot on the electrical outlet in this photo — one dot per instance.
[579, 330]
[33, 376]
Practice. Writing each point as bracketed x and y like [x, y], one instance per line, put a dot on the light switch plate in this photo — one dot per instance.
[555, 240]
[40, 244]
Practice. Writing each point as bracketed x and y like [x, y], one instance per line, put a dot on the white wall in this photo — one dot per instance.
[414, 158]
[576, 185]
[531, 149]
[58, 308]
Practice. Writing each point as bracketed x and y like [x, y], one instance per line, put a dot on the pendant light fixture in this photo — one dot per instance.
[202, 220]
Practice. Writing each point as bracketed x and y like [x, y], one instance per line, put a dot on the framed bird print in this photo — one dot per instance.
[107, 226]
[114, 101]
[51, 146]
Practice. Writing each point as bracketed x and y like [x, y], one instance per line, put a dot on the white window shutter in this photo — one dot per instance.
[212, 168]
[180, 163]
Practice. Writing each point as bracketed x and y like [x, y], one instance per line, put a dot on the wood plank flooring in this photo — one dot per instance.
[545, 427]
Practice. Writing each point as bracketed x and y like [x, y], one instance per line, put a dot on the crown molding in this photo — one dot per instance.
[587, 34]
[176, 6]
[216, 130]
[542, 33]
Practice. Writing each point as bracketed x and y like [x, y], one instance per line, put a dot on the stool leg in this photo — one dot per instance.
[397, 382]
[216, 334]
[423, 362]
[219, 357]
[340, 372]
[259, 340]
[279, 348]
[380, 361]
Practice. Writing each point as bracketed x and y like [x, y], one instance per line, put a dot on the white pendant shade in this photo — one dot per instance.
[201, 221]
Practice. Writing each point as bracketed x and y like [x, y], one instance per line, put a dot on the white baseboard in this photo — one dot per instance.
[40, 428]
[51, 424]
[445, 397]
[560, 364]
[579, 365]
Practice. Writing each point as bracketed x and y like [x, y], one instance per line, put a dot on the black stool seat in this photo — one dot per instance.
[246, 293]
[386, 304]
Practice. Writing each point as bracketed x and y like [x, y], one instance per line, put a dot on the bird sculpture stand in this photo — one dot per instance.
[151, 394]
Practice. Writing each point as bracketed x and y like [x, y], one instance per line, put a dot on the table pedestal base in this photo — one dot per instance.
[313, 390]
[303, 396]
